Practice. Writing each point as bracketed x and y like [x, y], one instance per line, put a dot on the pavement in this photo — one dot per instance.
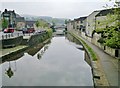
[109, 65]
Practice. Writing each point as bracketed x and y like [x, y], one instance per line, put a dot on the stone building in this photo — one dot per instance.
[30, 24]
[20, 23]
[10, 16]
[102, 18]
[90, 23]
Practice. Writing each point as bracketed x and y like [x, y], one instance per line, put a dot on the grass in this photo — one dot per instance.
[89, 49]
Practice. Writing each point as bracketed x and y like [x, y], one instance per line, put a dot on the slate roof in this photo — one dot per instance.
[9, 12]
[30, 23]
[81, 18]
[105, 12]
[20, 19]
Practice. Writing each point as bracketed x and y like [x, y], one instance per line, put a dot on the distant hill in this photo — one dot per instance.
[57, 21]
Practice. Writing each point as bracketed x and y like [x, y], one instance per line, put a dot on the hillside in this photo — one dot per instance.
[57, 21]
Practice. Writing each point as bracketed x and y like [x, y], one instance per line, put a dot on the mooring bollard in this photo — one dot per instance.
[9, 35]
[2, 37]
[6, 36]
[18, 34]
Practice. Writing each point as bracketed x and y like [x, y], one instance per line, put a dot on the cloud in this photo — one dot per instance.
[54, 1]
[54, 8]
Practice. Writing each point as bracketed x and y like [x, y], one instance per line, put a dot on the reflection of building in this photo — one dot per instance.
[10, 16]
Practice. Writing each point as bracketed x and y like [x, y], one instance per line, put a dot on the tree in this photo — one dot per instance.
[110, 35]
[41, 23]
[37, 24]
[4, 23]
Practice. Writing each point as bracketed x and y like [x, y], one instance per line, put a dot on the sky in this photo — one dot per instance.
[54, 8]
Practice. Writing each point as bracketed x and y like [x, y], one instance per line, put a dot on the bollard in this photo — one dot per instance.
[6, 36]
[9, 35]
[18, 34]
[2, 37]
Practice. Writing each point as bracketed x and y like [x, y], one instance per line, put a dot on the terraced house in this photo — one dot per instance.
[98, 21]
[90, 23]
[20, 23]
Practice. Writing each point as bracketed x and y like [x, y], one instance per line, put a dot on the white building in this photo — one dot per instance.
[90, 23]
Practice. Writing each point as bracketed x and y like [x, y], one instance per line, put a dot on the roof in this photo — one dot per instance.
[30, 23]
[20, 19]
[81, 18]
[105, 12]
[17, 15]
[8, 12]
[96, 11]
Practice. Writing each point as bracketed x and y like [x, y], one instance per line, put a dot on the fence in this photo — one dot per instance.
[13, 35]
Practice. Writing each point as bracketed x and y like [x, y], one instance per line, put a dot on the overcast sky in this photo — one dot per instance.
[54, 8]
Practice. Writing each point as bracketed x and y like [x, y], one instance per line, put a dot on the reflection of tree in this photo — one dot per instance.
[42, 51]
[38, 56]
[33, 50]
[9, 72]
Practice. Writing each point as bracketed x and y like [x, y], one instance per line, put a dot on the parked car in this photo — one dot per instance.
[9, 30]
[28, 30]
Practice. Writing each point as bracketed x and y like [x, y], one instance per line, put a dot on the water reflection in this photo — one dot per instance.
[87, 58]
[33, 50]
[9, 72]
[56, 64]
[39, 56]
[79, 46]
[74, 42]
[42, 51]
[11, 59]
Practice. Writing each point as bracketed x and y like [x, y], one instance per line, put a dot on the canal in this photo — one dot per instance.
[59, 63]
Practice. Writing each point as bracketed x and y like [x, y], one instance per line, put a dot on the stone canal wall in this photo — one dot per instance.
[38, 38]
[20, 41]
[35, 39]
[11, 42]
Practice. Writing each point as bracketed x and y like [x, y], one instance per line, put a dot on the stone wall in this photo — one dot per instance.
[111, 51]
[38, 38]
[11, 42]
[106, 49]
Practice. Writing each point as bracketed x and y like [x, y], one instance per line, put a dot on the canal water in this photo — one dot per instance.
[59, 63]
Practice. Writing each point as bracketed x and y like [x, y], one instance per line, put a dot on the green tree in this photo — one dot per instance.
[41, 23]
[110, 34]
[4, 23]
[37, 23]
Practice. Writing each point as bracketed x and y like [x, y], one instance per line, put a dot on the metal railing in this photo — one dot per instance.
[13, 35]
